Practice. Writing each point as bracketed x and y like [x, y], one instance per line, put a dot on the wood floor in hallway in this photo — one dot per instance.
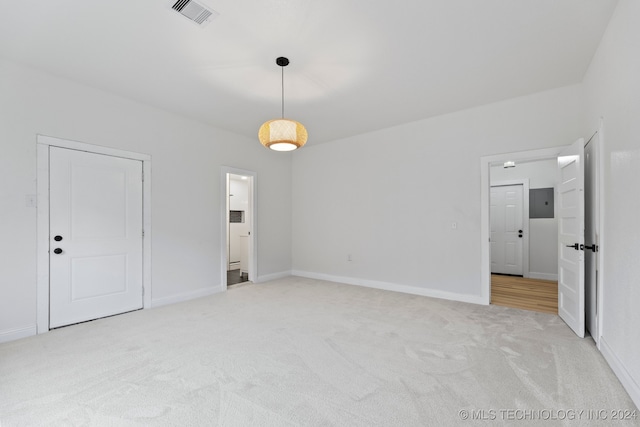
[527, 294]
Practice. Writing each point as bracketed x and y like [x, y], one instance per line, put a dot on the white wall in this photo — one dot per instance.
[613, 93]
[389, 197]
[187, 157]
[543, 232]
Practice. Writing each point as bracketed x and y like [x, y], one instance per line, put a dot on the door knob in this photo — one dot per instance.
[520, 231]
[574, 246]
[520, 235]
[57, 251]
[57, 238]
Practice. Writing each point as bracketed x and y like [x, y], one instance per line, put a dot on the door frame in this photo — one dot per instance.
[43, 143]
[224, 221]
[485, 226]
[485, 190]
[525, 219]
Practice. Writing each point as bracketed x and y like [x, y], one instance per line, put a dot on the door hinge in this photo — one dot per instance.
[143, 291]
[142, 233]
[142, 176]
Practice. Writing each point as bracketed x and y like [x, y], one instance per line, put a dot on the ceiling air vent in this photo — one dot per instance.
[195, 11]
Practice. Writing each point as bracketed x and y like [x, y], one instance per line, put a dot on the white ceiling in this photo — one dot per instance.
[356, 66]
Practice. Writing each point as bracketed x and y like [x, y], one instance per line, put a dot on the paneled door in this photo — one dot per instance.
[571, 292]
[507, 229]
[96, 236]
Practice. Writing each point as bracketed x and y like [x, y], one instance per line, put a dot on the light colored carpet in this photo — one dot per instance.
[305, 352]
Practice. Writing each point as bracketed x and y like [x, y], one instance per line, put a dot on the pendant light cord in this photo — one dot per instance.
[282, 68]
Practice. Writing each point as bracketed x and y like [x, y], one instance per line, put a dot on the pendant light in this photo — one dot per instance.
[282, 134]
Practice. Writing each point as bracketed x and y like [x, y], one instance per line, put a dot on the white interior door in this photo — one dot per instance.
[591, 236]
[571, 293]
[95, 236]
[506, 229]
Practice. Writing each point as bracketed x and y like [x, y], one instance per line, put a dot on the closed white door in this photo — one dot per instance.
[571, 236]
[507, 229]
[95, 253]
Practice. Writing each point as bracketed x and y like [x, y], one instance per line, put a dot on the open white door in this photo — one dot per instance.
[571, 236]
[591, 234]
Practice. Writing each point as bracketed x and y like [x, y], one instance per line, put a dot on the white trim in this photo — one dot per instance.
[186, 296]
[16, 334]
[146, 225]
[42, 238]
[273, 276]
[621, 371]
[253, 240]
[42, 213]
[525, 219]
[485, 164]
[92, 148]
[600, 239]
[596, 141]
[543, 276]
[394, 287]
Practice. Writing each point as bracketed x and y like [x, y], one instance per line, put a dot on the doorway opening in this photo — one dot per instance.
[524, 235]
[552, 155]
[238, 254]
[496, 162]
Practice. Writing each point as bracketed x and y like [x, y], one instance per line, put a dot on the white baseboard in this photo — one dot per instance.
[272, 276]
[543, 276]
[16, 334]
[621, 372]
[473, 299]
[186, 296]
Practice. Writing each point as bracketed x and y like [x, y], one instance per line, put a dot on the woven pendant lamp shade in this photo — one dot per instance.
[282, 134]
